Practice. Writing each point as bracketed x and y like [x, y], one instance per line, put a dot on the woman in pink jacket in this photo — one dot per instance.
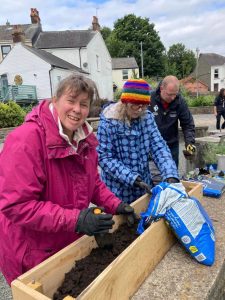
[48, 177]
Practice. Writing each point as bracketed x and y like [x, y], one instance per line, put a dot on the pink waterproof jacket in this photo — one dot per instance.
[44, 183]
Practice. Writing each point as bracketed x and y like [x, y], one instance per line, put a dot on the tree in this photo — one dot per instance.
[125, 40]
[180, 61]
[105, 32]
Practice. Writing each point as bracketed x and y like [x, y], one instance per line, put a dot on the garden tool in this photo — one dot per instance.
[104, 240]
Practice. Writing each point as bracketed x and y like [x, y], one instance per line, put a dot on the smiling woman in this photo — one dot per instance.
[72, 104]
[53, 159]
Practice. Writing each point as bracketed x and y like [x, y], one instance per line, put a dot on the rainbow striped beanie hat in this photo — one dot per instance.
[136, 91]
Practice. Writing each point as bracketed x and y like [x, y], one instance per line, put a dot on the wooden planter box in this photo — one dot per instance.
[121, 279]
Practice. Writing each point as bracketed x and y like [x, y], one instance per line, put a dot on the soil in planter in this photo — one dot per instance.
[88, 268]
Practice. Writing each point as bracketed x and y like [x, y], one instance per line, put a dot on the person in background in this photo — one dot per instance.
[127, 136]
[219, 108]
[48, 178]
[169, 107]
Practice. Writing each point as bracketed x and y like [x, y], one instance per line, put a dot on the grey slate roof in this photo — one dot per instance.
[29, 30]
[124, 63]
[213, 59]
[64, 39]
[53, 60]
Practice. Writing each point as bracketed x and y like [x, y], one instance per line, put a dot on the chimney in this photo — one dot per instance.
[18, 34]
[95, 24]
[34, 15]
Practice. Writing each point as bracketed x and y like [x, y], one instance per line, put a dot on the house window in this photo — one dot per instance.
[97, 63]
[216, 73]
[125, 74]
[216, 87]
[5, 50]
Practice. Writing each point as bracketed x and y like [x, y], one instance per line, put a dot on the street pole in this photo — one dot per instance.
[197, 51]
[142, 68]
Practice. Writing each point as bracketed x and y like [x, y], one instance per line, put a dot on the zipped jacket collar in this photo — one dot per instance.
[57, 146]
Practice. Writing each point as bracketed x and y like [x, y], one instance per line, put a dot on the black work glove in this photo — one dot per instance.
[141, 184]
[126, 209]
[90, 223]
[172, 180]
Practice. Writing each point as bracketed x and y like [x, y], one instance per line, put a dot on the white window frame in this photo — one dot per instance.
[216, 73]
[2, 51]
[98, 62]
[216, 85]
[125, 74]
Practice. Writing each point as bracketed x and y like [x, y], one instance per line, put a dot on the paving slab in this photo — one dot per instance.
[208, 139]
[217, 132]
[178, 276]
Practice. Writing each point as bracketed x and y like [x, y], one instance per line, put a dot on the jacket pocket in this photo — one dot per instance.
[12, 265]
[35, 256]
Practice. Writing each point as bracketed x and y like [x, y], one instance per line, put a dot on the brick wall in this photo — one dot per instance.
[201, 110]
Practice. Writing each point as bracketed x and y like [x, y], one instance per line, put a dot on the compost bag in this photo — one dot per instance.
[185, 216]
[212, 187]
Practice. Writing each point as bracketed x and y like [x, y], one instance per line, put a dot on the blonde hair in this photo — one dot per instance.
[118, 111]
[77, 84]
[121, 111]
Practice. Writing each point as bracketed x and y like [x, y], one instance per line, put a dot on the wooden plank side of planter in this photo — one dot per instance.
[122, 278]
[124, 275]
[136, 262]
[51, 272]
[22, 291]
[194, 189]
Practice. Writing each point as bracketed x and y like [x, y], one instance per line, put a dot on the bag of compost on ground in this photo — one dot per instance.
[185, 216]
[212, 187]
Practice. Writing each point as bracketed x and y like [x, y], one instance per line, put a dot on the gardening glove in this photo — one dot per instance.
[141, 184]
[126, 209]
[90, 223]
[172, 180]
[190, 150]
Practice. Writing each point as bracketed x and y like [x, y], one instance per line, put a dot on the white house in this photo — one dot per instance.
[84, 49]
[124, 68]
[30, 31]
[211, 70]
[36, 67]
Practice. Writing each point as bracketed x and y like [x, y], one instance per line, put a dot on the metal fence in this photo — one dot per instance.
[18, 93]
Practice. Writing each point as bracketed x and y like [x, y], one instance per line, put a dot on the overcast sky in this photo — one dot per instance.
[195, 23]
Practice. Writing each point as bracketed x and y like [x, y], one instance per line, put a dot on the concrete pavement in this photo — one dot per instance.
[205, 120]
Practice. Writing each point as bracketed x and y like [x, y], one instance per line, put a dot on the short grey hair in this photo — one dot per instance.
[170, 79]
[77, 84]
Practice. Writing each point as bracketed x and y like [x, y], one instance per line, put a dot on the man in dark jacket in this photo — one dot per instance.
[168, 106]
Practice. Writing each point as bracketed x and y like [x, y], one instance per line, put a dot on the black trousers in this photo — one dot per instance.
[156, 177]
[218, 118]
[175, 153]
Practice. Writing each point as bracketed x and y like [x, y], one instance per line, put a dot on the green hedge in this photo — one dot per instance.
[206, 100]
[11, 114]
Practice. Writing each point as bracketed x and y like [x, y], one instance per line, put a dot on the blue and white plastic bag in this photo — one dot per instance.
[212, 187]
[186, 217]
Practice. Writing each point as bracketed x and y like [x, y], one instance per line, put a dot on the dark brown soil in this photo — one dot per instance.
[88, 268]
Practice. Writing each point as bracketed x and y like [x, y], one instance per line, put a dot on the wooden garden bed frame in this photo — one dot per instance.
[121, 279]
